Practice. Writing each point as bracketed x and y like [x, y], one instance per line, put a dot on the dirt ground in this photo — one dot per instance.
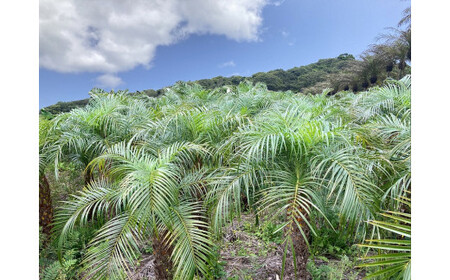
[245, 257]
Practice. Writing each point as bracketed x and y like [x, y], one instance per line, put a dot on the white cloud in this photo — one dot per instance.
[109, 81]
[118, 35]
[228, 64]
[284, 34]
[233, 74]
[277, 3]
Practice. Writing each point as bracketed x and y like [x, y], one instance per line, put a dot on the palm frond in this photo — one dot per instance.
[394, 257]
[344, 172]
[190, 240]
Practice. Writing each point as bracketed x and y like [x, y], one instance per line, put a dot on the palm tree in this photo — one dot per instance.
[81, 135]
[395, 48]
[141, 198]
[273, 162]
[84, 133]
[406, 19]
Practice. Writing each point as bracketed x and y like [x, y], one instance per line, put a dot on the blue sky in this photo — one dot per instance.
[260, 37]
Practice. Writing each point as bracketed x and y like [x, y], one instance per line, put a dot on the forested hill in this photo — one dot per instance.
[294, 79]
[341, 73]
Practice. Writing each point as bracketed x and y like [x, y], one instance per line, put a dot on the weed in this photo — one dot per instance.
[328, 241]
[62, 270]
[336, 270]
[242, 252]
[317, 272]
[267, 232]
[216, 266]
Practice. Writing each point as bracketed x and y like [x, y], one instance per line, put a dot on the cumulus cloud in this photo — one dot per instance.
[109, 81]
[228, 64]
[119, 35]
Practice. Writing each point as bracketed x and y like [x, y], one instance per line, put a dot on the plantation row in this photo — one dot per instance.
[173, 171]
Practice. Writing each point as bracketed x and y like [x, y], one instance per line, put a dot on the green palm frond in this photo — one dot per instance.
[227, 188]
[385, 100]
[292, 193]
[394, 261]
[139, 203]
[95, 200]
[114, 249]
[345, 174]
[190, 240]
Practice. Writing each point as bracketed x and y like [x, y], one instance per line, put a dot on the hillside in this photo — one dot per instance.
[341, 73]
[294, 79]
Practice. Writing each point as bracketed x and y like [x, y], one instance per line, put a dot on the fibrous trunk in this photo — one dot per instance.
[301, 246]
[301, 249]
[45, 205]
[87, 177]
[162, 252]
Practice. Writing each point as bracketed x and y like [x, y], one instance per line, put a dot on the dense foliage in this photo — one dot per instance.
[294, 79]
[175, 170]
[63, 107]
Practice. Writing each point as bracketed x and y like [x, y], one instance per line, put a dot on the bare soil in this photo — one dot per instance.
[246, 257]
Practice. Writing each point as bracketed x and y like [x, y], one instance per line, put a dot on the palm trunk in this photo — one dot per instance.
[402, 66]
[45, 205]
[163, 264]
[87, 177]
[301, 249]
